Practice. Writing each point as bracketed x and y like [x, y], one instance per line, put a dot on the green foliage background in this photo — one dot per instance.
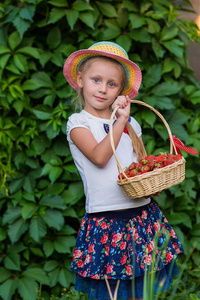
[42, 198]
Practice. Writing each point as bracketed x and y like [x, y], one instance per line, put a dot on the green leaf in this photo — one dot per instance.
[12, 261]
[168, 65]
[149, 117]
[156, 71]
[140, 35]
[4, 49]
[54, 173]
[166, 88]
[37, 229]
[87, 18]
[59, 3]
[3, 60]
[112, 30]
[54, 38]
[107, 9]
[180, 218]
[16, 230]
[136, 21]
[81, 5]
[157, 48]
[153, 26]
[29, 51]
[124, 41]
[48, 248]
[64, 244]
[14, 40]
[28, 210]
[8, 288]
[164, 103]
[51, 265]
[3, 234]
[56, 14]
[27, 12]
[53, 202]
[129, 5]
[37, 274]
[28, 288]
[11, 215]
[74, 193]
[42, 113]
[175, 46]
[65, 277]
[20, 62]
[4, 274]
[54, 219]
[72, 16]
[21, 25]
[169, 33]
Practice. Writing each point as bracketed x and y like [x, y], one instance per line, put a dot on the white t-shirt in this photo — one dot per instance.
[100, 184]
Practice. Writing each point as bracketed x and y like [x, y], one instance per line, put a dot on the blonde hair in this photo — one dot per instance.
[85, 65]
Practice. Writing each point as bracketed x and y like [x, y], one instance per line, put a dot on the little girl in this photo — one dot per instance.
[116, 236]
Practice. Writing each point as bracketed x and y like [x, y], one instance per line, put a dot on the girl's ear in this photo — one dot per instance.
[79, 79]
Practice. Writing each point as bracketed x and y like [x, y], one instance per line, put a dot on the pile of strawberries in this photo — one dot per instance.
[150, 163]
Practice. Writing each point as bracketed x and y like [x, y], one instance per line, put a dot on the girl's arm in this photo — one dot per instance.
[100, 153]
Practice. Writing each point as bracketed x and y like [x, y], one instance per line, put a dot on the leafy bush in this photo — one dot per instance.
[42, 198]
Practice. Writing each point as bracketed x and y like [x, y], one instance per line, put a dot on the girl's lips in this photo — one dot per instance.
[100, 98]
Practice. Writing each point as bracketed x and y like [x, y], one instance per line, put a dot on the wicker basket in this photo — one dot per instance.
[154, 181]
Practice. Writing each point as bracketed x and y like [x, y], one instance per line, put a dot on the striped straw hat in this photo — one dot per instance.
[109, 49]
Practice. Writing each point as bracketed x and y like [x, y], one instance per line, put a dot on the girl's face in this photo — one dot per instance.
[101, 82]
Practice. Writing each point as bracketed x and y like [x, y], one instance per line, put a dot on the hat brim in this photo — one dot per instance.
[135, 75]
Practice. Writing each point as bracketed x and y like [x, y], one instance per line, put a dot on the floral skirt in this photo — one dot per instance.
[124, 246]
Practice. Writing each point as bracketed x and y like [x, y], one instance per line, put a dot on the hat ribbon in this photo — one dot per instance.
[180, 146]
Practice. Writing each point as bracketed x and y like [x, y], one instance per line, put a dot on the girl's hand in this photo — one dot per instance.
[124, 106]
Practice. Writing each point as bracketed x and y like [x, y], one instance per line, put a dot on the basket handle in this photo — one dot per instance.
[172, 145]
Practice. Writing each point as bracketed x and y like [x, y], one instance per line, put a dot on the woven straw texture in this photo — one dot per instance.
[153, 181]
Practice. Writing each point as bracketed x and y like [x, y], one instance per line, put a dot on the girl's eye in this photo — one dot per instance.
[111, 84]
[96, 80]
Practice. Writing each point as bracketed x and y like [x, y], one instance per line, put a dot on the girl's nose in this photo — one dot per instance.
[102, 87]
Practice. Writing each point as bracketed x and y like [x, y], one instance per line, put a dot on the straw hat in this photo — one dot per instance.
[109, 49]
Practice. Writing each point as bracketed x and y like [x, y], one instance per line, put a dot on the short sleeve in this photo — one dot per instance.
[74, 121]
[136, 126]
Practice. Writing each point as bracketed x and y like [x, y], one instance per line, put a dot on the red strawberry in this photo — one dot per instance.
[143, 161]
[177, 157]
[150, 157]
[168, 162]
[133, 173]
[121, 176]
[150, 164]
[171, 156]
[163, 156]
[145, 168]
[158, 159]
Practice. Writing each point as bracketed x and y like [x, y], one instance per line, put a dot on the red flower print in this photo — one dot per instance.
[150, 246]
[104, 239]
[96, 276]
[82, 222]
[109, 269]
[107, 250]
[169, 257]
[156, 226]
[128, 237]
[128, 270]
[88, 259]
[114, 245]
[104, 225]
[80, 264]
[84, 273]
[149, 228]
[123, 259]
[117, 237]
[172, 233]
[91, 249]
[148, 259]
[144, 214]
[123, 246]
[77, 253]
